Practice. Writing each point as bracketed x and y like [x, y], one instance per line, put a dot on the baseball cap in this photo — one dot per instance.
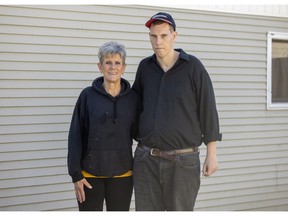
[161, 16]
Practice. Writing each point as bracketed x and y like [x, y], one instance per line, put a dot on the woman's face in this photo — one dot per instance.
[112, 68]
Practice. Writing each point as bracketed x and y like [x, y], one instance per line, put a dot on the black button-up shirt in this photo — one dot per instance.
[179, 109]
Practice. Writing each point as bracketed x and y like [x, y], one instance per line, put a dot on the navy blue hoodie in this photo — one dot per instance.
[101, 131]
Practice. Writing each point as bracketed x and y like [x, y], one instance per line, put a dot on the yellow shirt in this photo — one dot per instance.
[88, 175]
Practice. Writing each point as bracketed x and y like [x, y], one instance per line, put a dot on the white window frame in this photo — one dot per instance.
[270, 104]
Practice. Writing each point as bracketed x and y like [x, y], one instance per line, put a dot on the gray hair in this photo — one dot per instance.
[111, 48]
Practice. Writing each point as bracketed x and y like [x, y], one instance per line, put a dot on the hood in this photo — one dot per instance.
[125, 89]
[97, 85]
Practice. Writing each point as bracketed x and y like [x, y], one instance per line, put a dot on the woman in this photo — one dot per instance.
[100, 137]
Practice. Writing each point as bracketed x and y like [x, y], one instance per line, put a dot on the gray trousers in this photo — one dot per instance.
[161, 184]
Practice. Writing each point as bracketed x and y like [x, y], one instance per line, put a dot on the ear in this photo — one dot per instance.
[124, 68]
[175, 35]
[100, 67]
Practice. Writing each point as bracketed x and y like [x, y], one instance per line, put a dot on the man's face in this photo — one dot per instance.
[162, 39]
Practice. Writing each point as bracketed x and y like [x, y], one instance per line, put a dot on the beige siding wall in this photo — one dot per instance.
[259, 9]
[49, 53]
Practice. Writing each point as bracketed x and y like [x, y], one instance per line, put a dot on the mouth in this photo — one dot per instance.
[112, 73]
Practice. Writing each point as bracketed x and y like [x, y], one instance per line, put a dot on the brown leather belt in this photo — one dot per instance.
[168, 155]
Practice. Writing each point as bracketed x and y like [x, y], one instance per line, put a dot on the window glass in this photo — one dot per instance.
[279, 71]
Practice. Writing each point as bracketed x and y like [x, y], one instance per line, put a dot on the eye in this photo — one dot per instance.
[163, 36]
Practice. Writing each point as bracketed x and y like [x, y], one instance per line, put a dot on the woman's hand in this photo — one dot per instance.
[79, 189]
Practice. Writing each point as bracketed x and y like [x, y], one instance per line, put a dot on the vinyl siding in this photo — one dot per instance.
[48, 54]
[267, 10]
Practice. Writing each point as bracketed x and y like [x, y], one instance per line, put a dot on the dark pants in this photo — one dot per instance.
[162, 184]
[117, 193]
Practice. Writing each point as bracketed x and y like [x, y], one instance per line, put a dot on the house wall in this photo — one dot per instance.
[244, 8]
[48, 54]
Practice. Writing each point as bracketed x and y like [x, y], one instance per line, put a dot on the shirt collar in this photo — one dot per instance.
[183, 55]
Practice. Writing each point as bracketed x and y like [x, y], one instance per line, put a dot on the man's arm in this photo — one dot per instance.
[210, 164]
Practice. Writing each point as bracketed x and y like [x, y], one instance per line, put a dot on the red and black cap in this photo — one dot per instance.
[161, 16]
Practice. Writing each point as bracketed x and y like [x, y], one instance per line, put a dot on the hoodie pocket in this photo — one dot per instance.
[114, 135]
[87, 163]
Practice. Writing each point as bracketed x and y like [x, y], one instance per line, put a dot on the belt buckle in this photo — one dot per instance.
[154, 152]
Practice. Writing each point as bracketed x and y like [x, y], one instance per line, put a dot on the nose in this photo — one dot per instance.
[158, 40]
[112, 65]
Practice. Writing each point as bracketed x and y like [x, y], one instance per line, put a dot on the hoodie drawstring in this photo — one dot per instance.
[115, 111]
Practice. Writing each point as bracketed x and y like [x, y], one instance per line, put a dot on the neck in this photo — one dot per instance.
[168, 62]
[113, 89]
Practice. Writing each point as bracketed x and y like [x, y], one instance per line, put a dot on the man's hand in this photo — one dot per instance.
[210, 164]
[79, 189]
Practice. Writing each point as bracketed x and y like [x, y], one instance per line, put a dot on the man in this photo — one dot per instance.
[178, 114]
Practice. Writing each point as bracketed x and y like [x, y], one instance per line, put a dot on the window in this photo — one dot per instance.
[277, 71]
